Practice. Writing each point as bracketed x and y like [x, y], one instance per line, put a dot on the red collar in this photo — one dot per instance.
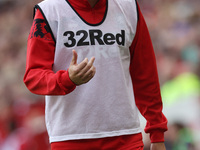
[91, 15]
[84, 4]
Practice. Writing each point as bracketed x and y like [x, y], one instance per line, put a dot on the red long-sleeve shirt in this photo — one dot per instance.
[40, 79]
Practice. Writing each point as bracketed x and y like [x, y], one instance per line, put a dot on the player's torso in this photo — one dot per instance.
[105, 104]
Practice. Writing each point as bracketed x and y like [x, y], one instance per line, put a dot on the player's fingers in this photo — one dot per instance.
[88, 66]
[92, 60]
[82, 64]
[74, 57]
[89, 74]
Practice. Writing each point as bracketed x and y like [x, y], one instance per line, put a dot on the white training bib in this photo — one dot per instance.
[105, 106]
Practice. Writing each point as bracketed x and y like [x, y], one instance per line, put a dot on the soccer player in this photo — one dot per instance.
[94, 61]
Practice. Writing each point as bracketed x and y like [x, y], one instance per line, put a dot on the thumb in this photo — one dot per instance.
[74, 57]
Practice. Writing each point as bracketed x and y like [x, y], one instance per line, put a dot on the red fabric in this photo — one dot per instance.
[40, 79]
[127, 142]
[91, 15]
[146, 86]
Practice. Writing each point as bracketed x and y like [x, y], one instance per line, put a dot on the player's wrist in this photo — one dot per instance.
[157, 137]
[66, 81]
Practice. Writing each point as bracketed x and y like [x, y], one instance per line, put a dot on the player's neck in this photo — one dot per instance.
[92, 2]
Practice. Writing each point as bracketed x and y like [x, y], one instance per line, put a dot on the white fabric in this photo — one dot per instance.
[105, 106]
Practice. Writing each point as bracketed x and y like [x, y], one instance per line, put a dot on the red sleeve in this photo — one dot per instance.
[146, 86]
[39, 77]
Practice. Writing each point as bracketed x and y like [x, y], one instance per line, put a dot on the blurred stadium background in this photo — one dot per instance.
[174, 26]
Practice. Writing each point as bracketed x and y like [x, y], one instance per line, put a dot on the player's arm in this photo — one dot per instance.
[146, 86]
[39, 77]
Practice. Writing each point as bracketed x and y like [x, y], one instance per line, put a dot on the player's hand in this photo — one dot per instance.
[158, 146]
[83, 72]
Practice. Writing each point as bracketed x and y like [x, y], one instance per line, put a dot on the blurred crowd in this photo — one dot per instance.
[174, 27]
[175, 31]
